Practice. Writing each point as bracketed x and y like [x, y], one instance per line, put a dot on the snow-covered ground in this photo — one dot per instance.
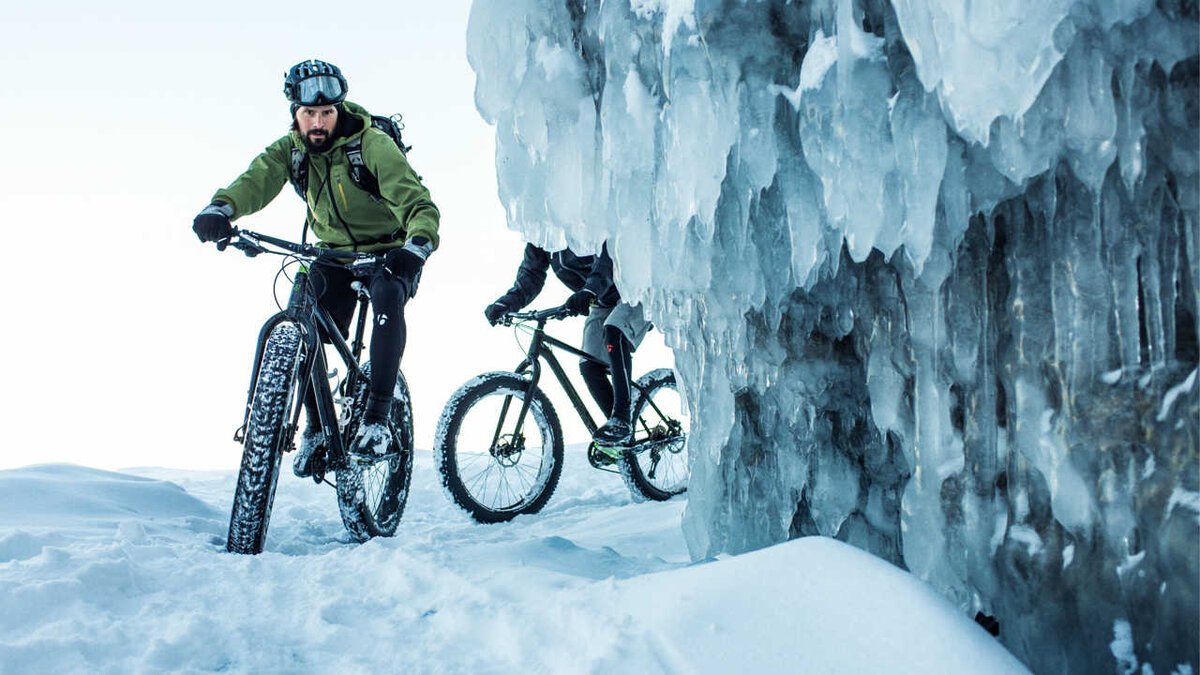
[126, 572]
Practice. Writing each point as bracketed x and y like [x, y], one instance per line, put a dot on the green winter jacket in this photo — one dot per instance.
[339, 212]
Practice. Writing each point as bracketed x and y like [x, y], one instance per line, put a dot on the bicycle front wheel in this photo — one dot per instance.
[371, 497]
[655, 465]
[495, 462]
[266, 427]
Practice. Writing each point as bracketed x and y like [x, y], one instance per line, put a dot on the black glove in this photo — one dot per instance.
[405, 263]
[580, 302]
[213, 222]
[495, 311]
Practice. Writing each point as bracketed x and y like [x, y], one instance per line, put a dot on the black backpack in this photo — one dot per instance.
[362, 177]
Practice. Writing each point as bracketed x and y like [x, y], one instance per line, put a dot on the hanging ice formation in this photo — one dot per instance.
[929, 270]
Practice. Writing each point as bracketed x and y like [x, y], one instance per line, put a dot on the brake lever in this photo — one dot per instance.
[223, 244]
[364, 265]
[248, 246]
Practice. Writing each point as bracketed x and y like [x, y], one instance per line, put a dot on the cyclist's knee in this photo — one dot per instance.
[386, 291]
[615, 339]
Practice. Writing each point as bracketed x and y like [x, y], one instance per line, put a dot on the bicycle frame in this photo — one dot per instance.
[317, 328]
[540, 348]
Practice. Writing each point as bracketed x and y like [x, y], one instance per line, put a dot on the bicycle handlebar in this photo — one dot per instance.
[254, 243]
[560, 312]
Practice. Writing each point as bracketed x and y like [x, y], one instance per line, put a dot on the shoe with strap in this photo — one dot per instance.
[374, 438]
[312, 445]
[614, 435]
[372, 442]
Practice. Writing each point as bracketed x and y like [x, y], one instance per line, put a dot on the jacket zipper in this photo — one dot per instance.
[343, 193]
[333, 201]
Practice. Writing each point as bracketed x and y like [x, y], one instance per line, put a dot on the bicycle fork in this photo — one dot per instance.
[532, 363]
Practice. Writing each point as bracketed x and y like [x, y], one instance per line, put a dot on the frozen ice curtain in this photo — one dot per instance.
[929, 270]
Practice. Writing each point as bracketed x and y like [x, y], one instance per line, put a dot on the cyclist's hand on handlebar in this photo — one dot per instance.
[495, 311]
[405, 263]
[212, 224]
[580, 302]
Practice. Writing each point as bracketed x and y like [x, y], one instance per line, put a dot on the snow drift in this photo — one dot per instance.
[105, 572]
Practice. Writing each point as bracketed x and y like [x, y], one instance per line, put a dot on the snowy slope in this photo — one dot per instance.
[126, 572]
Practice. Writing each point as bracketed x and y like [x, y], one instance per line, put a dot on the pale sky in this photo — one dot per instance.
[128, 342]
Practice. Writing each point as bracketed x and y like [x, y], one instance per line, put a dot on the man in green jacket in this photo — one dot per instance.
[362, 195]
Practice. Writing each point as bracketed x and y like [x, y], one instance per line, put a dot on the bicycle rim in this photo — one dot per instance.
[657, 461]
[490, 467]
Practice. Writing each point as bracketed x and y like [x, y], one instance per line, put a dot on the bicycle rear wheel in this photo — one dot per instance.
[371, 497]
[489, 468]
[655, 465]
[265, 435]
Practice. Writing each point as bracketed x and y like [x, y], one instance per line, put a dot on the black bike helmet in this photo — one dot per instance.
[314, 82]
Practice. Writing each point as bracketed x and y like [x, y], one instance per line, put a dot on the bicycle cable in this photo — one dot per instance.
[288, 261]
[517, 328]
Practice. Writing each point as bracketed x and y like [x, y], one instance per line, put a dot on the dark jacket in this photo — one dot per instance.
[595, 273]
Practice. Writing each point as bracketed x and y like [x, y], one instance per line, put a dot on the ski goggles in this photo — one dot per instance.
[320, 90]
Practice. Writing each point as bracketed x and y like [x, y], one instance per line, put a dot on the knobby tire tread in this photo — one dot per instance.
[360, 520]
[262, 449]
[450, 424]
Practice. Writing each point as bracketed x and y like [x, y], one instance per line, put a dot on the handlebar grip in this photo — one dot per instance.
[560, 312]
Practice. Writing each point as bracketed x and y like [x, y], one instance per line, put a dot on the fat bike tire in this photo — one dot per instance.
[371, 496]
[266, 434]
[487, 468]
[655, 464]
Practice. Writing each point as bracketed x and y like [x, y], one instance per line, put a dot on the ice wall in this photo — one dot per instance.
[929, 270]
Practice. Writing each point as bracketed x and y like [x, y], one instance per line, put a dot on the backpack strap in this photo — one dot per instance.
[298, 171]
[359, 173]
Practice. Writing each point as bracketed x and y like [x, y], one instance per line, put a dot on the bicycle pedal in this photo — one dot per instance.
[318, 468]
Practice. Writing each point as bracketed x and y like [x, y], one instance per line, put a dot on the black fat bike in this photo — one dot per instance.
[371, 493]
[499, 444]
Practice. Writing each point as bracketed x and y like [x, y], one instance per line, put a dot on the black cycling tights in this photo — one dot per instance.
[620, 354]
[388, 336]
[595, 376]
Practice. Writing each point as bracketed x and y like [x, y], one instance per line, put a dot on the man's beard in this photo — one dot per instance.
[319, 144]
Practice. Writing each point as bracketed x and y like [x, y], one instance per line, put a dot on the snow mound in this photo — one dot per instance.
[54, 494]
[109, 572]
[826, 606]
